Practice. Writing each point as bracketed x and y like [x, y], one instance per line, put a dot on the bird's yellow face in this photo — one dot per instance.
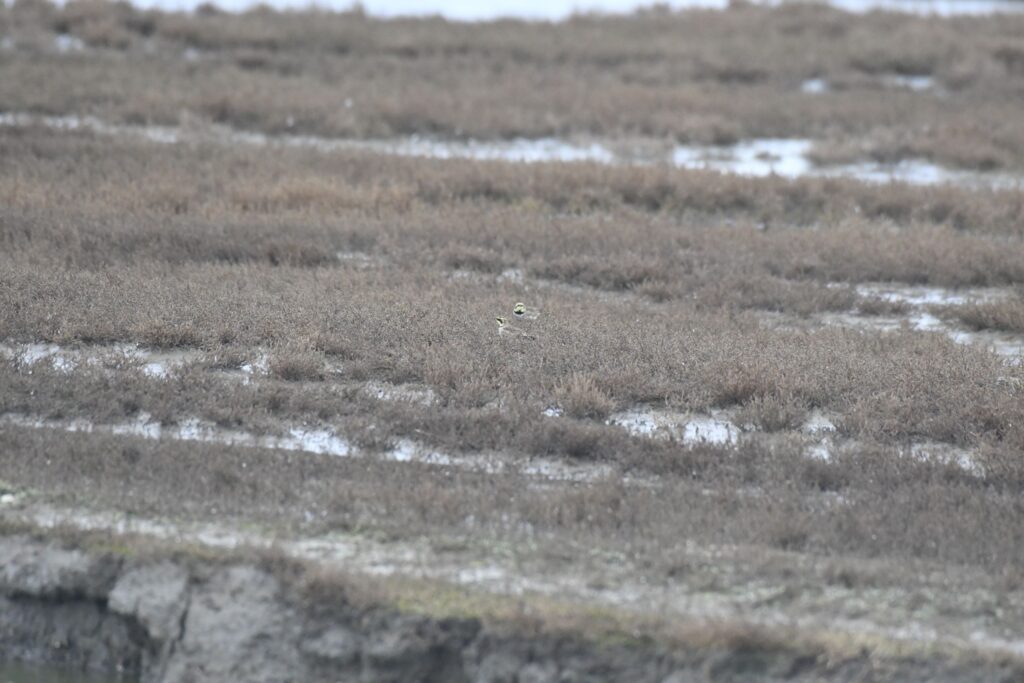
[520, 309]
[501, 321]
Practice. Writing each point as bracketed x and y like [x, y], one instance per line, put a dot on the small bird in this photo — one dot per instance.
[523, 313]
[506, 330]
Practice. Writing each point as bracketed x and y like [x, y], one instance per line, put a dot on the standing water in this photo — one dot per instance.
[15, 672]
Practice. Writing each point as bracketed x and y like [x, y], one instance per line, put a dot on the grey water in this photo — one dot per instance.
[17, 672]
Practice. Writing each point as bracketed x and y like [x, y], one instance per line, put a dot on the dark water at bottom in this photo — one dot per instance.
[17, 672]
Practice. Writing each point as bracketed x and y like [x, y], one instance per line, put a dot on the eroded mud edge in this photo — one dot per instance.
[180, 613]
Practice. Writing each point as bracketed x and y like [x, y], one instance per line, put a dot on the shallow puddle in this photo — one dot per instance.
[817, 422]
[153, 363]
[322, 441]
[913, 295]
[407, 450]
[65, 43]
[815, 86]
[823, 450]
[920, 83]
[764, 157]
[160, 363]
[1006, 345]
[520, 149]
[919, 302]
[259, 366]
[358, 259]
[787, 158]
[409, 393]
[947, 454]
[690, 429]
[9, 495]
[830, 446]
[920, 172]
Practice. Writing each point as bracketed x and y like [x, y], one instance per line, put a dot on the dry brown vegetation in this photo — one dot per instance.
[1007, 314]
[794, 509]
[236, 253]
[590, 355]
[693, 76]
[669, 289]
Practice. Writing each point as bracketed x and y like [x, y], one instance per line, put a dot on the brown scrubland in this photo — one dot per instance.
[694, 76]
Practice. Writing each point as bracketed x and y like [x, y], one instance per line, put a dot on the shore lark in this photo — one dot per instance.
[507, 330]
[523, 312]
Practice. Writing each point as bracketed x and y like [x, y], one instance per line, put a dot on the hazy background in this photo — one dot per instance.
[554, 10]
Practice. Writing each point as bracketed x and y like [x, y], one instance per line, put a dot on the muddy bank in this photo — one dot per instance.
[175, 621]
[191, 618]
